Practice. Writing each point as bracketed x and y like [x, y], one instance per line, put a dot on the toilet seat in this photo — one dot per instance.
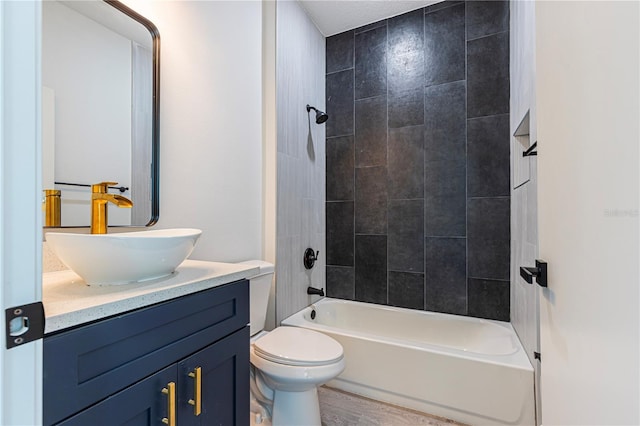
[295, 346]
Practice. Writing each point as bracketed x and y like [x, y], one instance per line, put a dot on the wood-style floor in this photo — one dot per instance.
[338, 408]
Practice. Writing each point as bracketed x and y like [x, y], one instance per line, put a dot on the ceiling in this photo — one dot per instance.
[335, 16]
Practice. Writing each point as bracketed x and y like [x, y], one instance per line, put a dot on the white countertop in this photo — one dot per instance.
[68, 301]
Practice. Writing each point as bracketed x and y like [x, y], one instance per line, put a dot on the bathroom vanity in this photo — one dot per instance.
[174, 350]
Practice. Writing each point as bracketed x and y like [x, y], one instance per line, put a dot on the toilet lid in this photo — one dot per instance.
[298, 346]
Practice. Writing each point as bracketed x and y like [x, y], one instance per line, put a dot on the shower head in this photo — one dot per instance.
[321, 116]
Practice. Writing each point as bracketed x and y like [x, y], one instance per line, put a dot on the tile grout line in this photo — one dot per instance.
[337, 71]
[353, 126]
[386, 71]
[487, 116]
[424, 157]
[466, 163]
[368, 97]
[375, 27]
[500, 280]
[441, 8]
[339, 136]
[485, 36]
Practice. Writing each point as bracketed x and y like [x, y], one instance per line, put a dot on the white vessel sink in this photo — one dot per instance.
[128, 257]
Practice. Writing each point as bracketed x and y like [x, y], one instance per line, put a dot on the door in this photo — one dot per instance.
[20, 203]
[223, 385]
[588, 119]
[145, 403]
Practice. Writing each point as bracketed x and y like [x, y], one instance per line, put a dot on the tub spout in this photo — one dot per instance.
[316, 291]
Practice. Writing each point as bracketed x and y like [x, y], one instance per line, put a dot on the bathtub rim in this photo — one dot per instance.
[517, 359]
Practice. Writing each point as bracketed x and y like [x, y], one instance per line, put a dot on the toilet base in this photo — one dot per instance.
[256, 419]
[296, 408]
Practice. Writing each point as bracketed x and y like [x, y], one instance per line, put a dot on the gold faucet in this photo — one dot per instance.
[99, 199]
[51, 206]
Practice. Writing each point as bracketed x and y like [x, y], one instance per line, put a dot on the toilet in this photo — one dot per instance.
[287, 364]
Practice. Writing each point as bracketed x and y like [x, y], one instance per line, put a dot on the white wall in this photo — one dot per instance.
[587, 69]
[211, 123]
[300, 71]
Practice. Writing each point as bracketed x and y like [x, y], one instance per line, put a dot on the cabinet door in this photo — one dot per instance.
[143, 404]
[224, 384]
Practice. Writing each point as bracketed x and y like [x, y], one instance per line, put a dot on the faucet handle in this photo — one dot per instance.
[102, 187]
[310, 258]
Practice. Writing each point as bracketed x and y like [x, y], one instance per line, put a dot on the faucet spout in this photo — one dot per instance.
[99, 200]
[116, 199]
[315, 291]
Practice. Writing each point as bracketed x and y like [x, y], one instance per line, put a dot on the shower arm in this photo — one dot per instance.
[321, 116]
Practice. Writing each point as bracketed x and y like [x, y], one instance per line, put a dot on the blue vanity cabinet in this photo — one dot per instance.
[224, 381]
[113, 372]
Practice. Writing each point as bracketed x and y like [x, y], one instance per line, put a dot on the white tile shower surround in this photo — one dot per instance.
[524, 198]
[300, 158]
[339, 408]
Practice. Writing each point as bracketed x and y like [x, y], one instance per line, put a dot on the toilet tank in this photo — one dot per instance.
[259, 287]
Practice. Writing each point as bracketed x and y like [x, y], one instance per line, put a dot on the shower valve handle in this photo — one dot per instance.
[310, 258]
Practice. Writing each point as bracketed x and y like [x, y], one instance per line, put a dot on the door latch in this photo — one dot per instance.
[24, 324]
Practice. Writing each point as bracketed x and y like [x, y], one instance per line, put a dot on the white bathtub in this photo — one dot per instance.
[466, 369]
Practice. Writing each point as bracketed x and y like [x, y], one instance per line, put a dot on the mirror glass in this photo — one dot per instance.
[100, 66]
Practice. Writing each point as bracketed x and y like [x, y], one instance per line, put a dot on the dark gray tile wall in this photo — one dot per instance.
[446, 278]
[371, 63]
[405, 163]
[339, 229]
[340, 52]
[371, 131]
[406, 290]
[371, 268]
[405, 56]
[445, 159]
[405, 235]
[418, 207]
[486, 154]
[488, 75]
[371, 200]
[489, 237]
[488, 298]
[340, 183]
[340, 282]
[444, 45]
[339, 89]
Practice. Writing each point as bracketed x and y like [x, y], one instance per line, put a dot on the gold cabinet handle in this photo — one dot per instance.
[170, 391]
[196, 375]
